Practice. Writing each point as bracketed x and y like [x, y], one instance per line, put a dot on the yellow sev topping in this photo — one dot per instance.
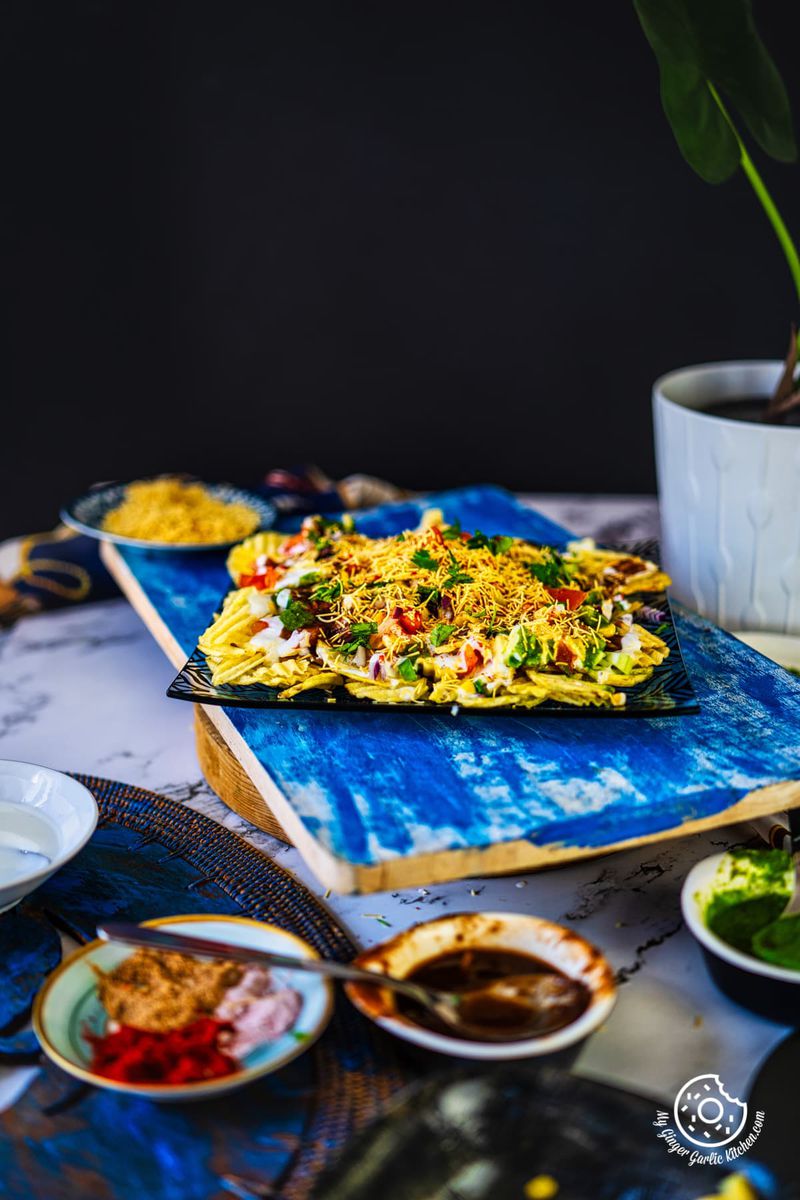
[169, 510]
[483, 590]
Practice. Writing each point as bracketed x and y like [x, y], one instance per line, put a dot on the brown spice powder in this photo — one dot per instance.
[160, 990]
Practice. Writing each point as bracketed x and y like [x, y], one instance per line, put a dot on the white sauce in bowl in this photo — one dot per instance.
[28, 841]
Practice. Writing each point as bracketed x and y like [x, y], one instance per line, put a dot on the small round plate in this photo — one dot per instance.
[68, 1004]
[87, 513]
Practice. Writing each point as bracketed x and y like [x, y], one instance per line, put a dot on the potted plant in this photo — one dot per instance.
[728, 434]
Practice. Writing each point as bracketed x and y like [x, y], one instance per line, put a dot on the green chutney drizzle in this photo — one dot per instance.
[779, 943]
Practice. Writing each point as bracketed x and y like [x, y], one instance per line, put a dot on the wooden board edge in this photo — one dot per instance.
[226, 776]
[136, 596]
[333, 872]
[518, 857]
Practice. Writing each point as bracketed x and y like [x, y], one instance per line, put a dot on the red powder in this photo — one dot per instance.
[177, 1056]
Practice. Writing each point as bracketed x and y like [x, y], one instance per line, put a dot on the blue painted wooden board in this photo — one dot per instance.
[396, 799]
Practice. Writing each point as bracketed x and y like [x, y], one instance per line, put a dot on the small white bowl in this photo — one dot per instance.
[68, 1005]
[561, 948]
[40, 810]
[772, 992]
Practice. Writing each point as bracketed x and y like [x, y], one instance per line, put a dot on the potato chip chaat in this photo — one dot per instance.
[437, 614]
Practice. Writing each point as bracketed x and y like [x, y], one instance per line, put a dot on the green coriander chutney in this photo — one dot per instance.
[745, 900]
[779, 943]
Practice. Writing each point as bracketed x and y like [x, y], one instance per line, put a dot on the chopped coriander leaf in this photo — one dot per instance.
[401, 537]
[441, 633]
[498, 544]
[407, 669]
[422, 558]
[480, 687]
[428, 595]
[477, 541]
[551, 572]
[320, 524]
[328, 592]
[453, 532]
[662, 628]
[380, 583]
[360, 633]
[300, 1036]
[297, 616]
[455, 576]
[311, 577]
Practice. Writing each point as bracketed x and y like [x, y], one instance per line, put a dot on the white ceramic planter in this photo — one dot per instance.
[730, 499]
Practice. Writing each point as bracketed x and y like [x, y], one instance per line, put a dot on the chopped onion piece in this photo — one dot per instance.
[260, 604]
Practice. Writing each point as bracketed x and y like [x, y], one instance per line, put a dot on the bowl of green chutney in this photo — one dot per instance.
[732, 903]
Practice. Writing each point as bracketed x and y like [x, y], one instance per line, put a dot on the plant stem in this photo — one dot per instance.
[767, 203]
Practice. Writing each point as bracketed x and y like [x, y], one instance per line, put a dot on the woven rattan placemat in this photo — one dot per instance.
[149, 857]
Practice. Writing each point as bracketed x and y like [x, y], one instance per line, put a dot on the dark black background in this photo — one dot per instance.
[442, 242]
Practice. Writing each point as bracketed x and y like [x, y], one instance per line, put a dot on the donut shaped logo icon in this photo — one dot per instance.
[706, 1115]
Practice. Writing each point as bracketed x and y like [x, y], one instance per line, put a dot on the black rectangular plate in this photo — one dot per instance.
[668, 691]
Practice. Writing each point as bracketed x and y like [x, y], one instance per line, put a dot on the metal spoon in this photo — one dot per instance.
[792, 845]
[505, 1010]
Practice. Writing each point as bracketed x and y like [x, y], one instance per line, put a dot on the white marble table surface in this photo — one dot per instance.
[83, 690]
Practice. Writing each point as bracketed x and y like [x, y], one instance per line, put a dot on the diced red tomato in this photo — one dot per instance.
[437, 534]
[263, 580]
[408, 622]
[256, 581]
[565, 655]
[571, 597]
[472, 658]
[258, 626]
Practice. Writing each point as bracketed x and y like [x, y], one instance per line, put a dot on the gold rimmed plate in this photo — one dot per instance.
[68, 1007]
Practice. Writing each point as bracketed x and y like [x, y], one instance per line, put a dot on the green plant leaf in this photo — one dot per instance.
[715, 42]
